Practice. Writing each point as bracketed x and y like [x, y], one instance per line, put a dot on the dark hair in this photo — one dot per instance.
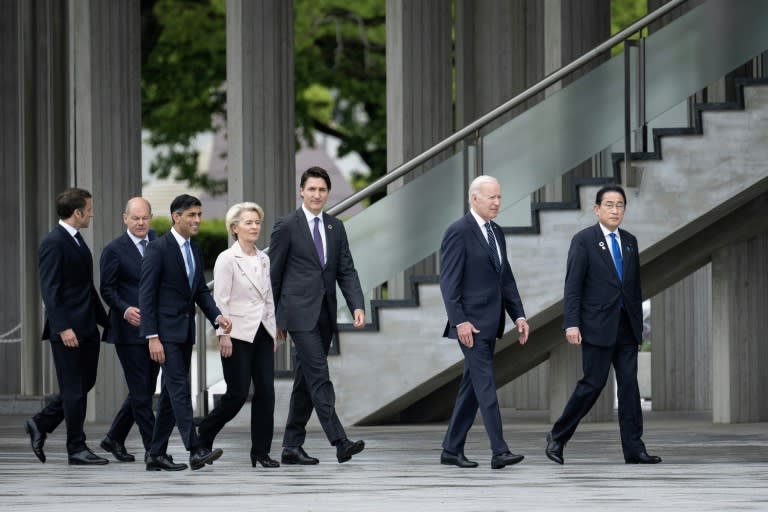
[610, 188]
[70, 200]
[316, 172]
[184, 202]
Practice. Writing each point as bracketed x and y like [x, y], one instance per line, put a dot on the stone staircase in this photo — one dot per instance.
[704, 187]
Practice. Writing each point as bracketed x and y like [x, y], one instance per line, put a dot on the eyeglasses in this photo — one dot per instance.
[611, 206]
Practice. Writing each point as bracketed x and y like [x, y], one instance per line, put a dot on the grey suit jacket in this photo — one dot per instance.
[300, 283]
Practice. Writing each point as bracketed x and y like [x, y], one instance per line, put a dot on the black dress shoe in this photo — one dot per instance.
[505, 459]
[459, 460]
[297, 456]
[86, 458]
[117, 449]
[554, 450]
[203, 456]
[346, 449]
[163, 462]
[36, 438]
[643, 458]
[265, 460]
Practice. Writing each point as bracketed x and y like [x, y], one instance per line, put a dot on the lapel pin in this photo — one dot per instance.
[602, 245]
[330, 227]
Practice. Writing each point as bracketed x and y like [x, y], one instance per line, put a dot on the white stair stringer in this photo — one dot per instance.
[700, 181]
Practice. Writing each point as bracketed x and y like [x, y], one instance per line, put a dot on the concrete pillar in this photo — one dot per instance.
[105, 66]
[34, 163]
[739, 324]
[564, 372]
[260, 102]
[681, 345]
[419, 95]
[529, 392]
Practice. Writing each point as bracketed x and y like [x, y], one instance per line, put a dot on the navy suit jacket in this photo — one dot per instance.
[66, 285]
[166, 300]
[300, 282]
[472, 289]
[594, 295]
[120, 266]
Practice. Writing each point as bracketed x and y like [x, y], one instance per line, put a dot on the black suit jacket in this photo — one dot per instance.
[299, 282]
[66, 285]
[593, 293]
[120, 266]
[472, 289]
[166, 300]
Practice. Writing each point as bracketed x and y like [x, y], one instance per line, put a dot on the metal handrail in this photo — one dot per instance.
[532, 91]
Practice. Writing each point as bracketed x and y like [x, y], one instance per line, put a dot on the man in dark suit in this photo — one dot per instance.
[72, 311]
[603, 313]
[172, 282]
[120, 274]
[309, 254]
[478, 286]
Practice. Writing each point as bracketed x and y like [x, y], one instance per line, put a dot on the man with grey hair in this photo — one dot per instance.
[477, 285]
[120, 274]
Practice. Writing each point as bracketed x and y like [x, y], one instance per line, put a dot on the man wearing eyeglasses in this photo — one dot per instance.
[603, 313]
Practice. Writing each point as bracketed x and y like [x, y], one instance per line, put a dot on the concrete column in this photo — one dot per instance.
[260, 102]
[500, 49]
[419, 95]
[681, 345]
[34, 163]
[739, 324]
[564, 372]
[105, 67]
[528, 392]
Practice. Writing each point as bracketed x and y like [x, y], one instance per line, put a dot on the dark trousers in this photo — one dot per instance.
[76, 373]
[477, 390]
[249, 362]
[596, 363]
[312, 386]
[175, 400]
[141, 377]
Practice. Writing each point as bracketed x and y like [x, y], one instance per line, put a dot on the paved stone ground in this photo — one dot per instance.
[706, 467]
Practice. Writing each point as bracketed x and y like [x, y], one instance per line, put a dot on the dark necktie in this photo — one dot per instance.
[318, 241]
[190, 262]
[143, 247]
[617, 260]
[492, 246]
[80, 240]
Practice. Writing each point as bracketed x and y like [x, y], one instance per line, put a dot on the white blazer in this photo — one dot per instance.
[244, 293]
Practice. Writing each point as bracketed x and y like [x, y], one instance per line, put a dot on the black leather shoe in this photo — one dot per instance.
[203, 456]
[265, 460]
[505, 459]
[459, 460]
[346, 449]
[86, 458]
[163, 462]
[117, 449]
[297, 456]
[643, 458]
[554, 450]
[36, 439]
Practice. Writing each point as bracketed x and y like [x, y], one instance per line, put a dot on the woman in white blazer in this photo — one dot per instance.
[243, 292]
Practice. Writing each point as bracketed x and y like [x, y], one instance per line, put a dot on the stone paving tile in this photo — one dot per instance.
[706, 467]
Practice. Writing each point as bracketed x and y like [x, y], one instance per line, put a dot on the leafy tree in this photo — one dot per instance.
[339, 78]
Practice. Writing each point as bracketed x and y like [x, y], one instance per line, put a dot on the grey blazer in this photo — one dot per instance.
[300, 283]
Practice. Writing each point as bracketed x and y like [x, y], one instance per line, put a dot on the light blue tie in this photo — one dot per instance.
[617, 260]
[143, 247]
[190, 263]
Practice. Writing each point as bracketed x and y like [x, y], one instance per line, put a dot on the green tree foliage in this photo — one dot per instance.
[212, 237]
[339, 78]
[623, 14]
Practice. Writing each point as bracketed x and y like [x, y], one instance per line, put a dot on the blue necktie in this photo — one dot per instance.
[617, 261]
[190, 263]
[143, 247]
[492, 245]
[318, 241]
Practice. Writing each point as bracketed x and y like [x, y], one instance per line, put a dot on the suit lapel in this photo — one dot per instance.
[604, 250]
[242, 262]
[175, 250]
[82, 250]
[627, 253]
[330, 241]
[309, 242]
[481, 237]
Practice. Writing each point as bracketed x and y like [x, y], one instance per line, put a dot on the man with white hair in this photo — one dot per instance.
[477, 285]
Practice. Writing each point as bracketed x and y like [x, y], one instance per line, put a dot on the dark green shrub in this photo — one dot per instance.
[212, 237]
